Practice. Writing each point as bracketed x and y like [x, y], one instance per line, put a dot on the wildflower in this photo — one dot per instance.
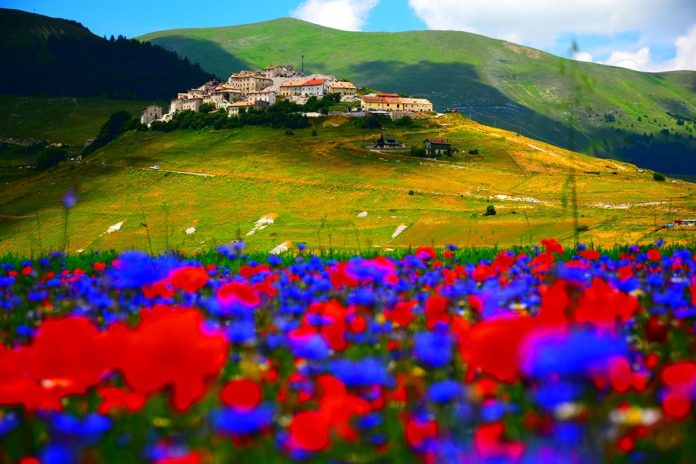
[70, 199]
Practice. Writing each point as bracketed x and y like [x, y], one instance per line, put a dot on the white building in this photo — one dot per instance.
[267, 96]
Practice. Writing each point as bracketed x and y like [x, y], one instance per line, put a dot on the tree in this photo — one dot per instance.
[490, 211]
[49, 158]
[658, 177]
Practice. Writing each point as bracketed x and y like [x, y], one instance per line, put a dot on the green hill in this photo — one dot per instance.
[647, 119]
[152, 186]
[57, 57]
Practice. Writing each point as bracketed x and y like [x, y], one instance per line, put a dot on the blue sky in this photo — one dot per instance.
[651, 35]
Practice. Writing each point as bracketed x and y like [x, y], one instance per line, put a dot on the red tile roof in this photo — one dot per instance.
[314, 82]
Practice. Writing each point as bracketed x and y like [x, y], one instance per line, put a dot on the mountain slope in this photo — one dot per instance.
[51, 56]
[316, 186]
[648, 119]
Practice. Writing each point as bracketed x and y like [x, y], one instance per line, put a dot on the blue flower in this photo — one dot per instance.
[241, 331]
[570, 354]
[70, 199]
[362, 373]
[433, 349]
[311, 347]
[444, 391]
[240, 422]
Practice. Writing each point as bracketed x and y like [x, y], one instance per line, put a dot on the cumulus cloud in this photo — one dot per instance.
[638, 61]
[348, 15]
[686, 51]
[540, 22]
[641, 60]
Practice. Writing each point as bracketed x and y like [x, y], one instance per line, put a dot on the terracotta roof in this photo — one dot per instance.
[314, 82]
[387, 95]
[438, 141]
[243, 103]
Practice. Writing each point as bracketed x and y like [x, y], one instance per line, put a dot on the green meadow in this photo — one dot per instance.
[314, 188]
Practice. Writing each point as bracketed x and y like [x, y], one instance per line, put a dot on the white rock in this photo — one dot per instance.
[190, 230]
[114, 228]
[399, 230]
[363, 214]
[282, 248]
[261, 224]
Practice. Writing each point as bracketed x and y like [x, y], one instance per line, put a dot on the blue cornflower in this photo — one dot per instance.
[444, 391]
[241, 423]
[433, 349]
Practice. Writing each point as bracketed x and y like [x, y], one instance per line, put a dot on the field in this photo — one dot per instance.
[312, 189]
[539, 355]
[59, 119]
[498, 83]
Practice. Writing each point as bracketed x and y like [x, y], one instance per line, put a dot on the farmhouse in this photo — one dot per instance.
[342, 88]
[388, 141]
[150, 114]
[437, 146]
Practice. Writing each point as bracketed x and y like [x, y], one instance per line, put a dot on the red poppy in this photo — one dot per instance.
[241, 394]
[417, 432]
[170, 348]
[551, 245]
[602, 305]
[309, 431]
[654, 254]
[436, 311]
[402, 313]
[116, 398]
[240, 293]
[189, 278]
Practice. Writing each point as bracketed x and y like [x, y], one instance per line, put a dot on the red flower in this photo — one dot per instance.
[170, 349]
[426, 253]
[189, 278]
[401, 313]
[418, 432]
[233, 293]
[602, 305]
[590, 255]
[241, 394]
[161, 288]
[654, 254]
[436, 311]
[551, 245]
[116, 398]
[309, 431]
[489, 443]
[98, 267]
[66, 357]
[193, 457]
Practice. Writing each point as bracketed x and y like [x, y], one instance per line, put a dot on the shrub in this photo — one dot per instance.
[490, 211]
[411, 192]
[474, 151]
[658, 177]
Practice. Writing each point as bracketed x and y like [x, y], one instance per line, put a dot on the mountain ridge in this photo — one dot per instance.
[615, 112]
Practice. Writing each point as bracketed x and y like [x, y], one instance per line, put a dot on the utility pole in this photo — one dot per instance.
[302, 64]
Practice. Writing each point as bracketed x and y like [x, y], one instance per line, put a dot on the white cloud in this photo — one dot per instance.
[348, 15]
[540, 22]
[641, 60]
[686, 51]
[638, 61]
[583, 56]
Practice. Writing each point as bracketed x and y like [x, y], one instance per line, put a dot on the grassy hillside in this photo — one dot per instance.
[616, 112]
[68, 120]
[314, 188]
[50, 56]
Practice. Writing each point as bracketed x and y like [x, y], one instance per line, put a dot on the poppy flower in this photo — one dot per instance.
[190, 279]
[170, 348]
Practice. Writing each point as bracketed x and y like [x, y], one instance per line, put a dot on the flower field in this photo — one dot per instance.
[543, 355]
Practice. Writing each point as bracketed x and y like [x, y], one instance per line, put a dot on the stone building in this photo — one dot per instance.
[342, 88]
[248, 81]
[150, 114]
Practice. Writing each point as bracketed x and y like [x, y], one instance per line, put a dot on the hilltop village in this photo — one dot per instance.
[261, 89]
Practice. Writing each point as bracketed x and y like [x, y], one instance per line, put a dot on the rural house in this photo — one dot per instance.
[150, 114]
[437, 146]
[388, 141]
